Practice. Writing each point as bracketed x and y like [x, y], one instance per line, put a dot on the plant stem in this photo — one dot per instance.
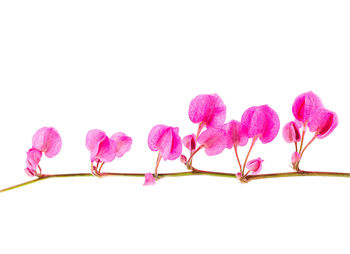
[250, 149]
[157, 164]
[239, 162]
[193, 172]
[302, 137]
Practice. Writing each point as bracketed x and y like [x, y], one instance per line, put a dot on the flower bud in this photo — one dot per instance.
[189, 142]
[149, 179]
[183, 159]
[291, 132]
[255, 166]
[295, 158]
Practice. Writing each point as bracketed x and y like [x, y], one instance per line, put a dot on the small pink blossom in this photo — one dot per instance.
[189, 142]
[166, 140]
[305, 106]
[123, 143]
[323, 123]
[295, 158]
[262, 122]
[102, 149]
[48, 141]
[255, 166]
[149, 179]
[237, 134]
[214, 141]
[291, 132]
[33, 159]
[207, 109]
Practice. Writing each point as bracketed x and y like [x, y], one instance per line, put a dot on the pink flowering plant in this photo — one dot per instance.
[213, 135]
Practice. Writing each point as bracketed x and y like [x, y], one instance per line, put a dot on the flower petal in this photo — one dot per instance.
[48, 141]
[305, 106]
[123, 143]
[214, 141]
[207, 108]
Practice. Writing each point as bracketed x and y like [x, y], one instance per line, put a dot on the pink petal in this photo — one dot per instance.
[272, 125]
[262, 122]
[165, 143]
[94, 138]
[207, 108]
[237, 133]
[323, 122]
[154, 136]
[189, 142]
[214, 141]
[149, 179]
[123, 143]
[305, 105]
[291, 132]
[106, 150]
[176, 147]
[48, 141]
[166, 140]
[33, 158]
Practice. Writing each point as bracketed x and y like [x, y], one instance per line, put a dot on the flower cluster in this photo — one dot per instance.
[309, 113]
[104, 149]
[46, 140]
[213, 135]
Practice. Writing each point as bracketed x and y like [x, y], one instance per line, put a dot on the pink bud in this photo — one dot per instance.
[295, 158]
[291, 132]
[255, 166]
[189, 142]
[239, 175]
[149, 179]
[183, 159]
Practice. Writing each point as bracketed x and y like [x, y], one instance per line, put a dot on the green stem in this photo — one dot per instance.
[193, 172]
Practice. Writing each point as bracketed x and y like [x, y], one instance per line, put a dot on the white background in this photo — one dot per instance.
[128, 65]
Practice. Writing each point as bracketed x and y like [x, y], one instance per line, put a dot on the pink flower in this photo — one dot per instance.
[262, 122]
[237, 134]
[305, 106]
[214, 141]
[189, 142]
[323, 123]
[208, 109]
[123, 143]
[255, 166]
[102, 149]
[48, 141]
[33, 159]
[295, 158]
[149, 179]
[166, 140]
[291, 132]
